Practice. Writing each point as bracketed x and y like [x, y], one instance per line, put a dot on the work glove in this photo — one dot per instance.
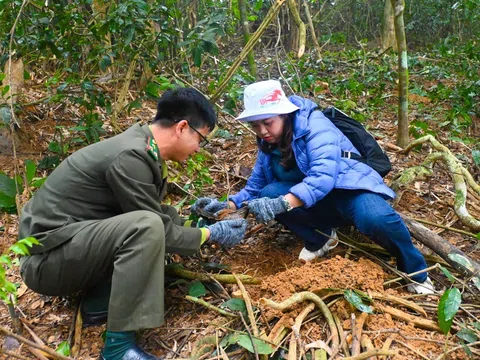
[228, 232]
[265, 208]
[208, 206]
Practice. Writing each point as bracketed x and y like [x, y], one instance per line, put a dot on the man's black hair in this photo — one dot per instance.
[185, 104]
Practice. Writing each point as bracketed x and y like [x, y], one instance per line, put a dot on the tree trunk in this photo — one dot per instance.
[388, 31]
[402, 132]
[293, 30]
[301, 32]
[246, 36]
[312, 28]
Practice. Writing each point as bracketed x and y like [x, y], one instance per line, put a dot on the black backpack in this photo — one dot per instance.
[371, 153]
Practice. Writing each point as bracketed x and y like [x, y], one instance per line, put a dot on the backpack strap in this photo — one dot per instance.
[353, 156]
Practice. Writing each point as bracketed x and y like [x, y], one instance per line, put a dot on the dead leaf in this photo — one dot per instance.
[21, 290]
[37, 304]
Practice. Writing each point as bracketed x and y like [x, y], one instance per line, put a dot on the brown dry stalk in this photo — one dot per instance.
[292, 351]
[370, 353]
[343, 342]
[248, 304]
[77, 338]
[416, 321]
[357, 333]
[386, 345]
[308, 296]
[367, 345]
[12, 354]
[398, 300]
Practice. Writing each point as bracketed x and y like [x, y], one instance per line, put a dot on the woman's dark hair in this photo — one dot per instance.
[185, 104]
[287, 158]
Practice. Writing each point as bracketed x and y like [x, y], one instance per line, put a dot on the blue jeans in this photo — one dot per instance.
[369, 212]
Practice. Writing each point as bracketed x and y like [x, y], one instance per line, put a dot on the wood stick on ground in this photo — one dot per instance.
[296, 338]
[399, 301]
[38, 353]
[77, 338]
[343, 340]
[248, 304]
[371, 353]
[27, 342]
[357, 333]
[308, 296]
[221, 278]
[209, 306]
[386, 345]
[441, 246]
[415, 320]
[12, 354]
[455, 349]
[367, 345]
[415, 351]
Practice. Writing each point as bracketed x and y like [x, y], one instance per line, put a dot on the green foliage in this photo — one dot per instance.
[448, 307]
[10, 187]
[8, 290]
[235, 304]
[63, 348]
[353, 298]
[197, 289]
[244, 341]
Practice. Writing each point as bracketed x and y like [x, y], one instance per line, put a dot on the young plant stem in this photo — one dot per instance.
[209, 306]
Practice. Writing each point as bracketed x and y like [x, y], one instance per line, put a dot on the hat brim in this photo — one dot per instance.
[283, 108]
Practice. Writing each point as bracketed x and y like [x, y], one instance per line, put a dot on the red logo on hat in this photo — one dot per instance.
[274, 96]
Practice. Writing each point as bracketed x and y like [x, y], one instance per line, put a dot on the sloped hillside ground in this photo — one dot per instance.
[193, 331]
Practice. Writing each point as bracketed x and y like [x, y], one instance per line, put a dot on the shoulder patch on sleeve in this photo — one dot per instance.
[152, 148]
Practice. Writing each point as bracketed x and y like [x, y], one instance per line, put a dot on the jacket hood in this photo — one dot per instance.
[302, 115]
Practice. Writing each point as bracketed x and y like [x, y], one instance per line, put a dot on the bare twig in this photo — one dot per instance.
[45, 349]
[248, 304]
[371, 353]
[209, 306]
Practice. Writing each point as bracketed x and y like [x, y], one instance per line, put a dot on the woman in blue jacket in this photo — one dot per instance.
[301, 180]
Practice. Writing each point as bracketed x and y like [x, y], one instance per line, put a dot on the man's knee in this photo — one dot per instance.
[149, 227]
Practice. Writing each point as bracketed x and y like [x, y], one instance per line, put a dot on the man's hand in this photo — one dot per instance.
[265, 208]
[228, 232]
[208, 206]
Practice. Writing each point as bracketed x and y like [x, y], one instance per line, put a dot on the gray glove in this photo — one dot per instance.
[208, 206]
[265, 208]
[228, 232]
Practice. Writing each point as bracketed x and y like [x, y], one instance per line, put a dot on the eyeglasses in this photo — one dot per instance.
[204, 140]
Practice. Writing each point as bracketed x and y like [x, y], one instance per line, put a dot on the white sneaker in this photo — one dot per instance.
[425, 288]
[307, 255]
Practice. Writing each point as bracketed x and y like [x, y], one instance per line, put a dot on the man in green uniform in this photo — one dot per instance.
[100, 223]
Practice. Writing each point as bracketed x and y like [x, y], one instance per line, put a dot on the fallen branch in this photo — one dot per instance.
[307, 296]
[456, 348]
[77, 338]
[454, 256]
[416, 321]
[209, 306]
[183, 273]
[370, 353]
[248, 305]
[357, 333]
[296, 338]
[12, 354]
[27, 342]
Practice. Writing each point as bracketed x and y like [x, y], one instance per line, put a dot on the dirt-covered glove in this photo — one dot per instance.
[228, 232]
[208, 206]
[265, 208]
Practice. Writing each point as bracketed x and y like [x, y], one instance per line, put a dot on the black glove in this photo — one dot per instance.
[208, 206]
[265, 208]
[228, 232]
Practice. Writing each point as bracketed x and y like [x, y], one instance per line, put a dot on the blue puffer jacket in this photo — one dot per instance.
[317, 145]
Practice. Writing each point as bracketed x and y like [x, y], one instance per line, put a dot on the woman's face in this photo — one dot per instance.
[269, 130]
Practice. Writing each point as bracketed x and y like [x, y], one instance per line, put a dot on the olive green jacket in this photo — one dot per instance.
[102, 180]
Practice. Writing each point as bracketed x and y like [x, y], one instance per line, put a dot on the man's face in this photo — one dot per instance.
[188, 140]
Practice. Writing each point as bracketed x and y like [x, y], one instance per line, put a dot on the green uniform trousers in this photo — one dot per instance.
[129, 248]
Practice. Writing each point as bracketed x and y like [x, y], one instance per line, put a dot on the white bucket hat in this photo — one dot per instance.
[265, 99]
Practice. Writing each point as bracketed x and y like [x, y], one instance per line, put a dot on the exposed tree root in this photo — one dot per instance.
[308, 296]
[183, 273]
[296, 337]
[415, 320]
[458, 173]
